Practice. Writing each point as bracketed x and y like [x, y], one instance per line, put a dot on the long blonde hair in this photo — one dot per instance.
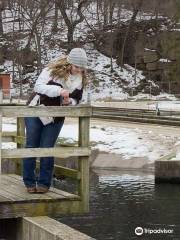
[61, 68]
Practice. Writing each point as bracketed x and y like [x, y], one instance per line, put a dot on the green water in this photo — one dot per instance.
[122, 201]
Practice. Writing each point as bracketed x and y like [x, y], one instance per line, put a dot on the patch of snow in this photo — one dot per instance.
[8, 127]
[151, 50]
[108, 84]
[164, 60]
[119, 140]
[127, 142]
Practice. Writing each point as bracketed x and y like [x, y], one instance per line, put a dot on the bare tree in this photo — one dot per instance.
[34, 14]
[3, 4]
[55, 21]
[69, 21]
[136, 9]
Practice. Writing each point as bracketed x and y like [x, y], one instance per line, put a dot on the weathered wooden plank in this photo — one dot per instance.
[51, 111]
[12, 137]
[53, 209]
[61, 152]
[8, 139]
[4, 199]
[0, 143]
[67, 172]
[58, 170]
[9, 134]
[83, 163]
[20, 136]
[12, 188]
[20, 131]
[14, 191]
[45, 228]
[18, 189]
[20, 192]
[11, 198]
[52, 189]
[8, 166]
[64, 171]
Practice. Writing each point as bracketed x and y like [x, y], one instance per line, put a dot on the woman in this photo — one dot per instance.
[60, 83]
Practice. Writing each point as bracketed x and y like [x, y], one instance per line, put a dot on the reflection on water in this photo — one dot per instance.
[121, 201]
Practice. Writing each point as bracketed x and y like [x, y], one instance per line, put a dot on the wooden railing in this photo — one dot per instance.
[82, 151]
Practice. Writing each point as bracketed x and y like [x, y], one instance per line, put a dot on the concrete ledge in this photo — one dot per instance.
[167, 171]
[46, 228]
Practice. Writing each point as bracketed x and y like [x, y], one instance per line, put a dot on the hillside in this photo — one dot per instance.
[108, 80]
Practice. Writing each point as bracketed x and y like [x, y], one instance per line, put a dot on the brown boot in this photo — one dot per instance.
[31, 189]
[40, 189]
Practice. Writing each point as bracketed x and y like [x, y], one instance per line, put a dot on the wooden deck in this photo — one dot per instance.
[15, 201]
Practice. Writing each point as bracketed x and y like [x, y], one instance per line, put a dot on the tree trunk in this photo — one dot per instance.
[55, 24]
[70, 37]
[133, 18]
[1, 24]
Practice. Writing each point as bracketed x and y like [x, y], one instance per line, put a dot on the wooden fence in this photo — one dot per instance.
[82, 151]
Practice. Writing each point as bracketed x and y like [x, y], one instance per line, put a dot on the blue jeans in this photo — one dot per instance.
[39, 136]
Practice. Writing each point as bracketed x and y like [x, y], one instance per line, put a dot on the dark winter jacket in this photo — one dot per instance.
[47, 91]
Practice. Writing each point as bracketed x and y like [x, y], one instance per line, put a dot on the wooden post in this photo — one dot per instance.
[1, 95]
[1, 101]
[0, 142]
[83, 163]
[20, 142]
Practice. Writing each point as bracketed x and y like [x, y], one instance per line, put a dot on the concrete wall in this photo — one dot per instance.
[38, 228]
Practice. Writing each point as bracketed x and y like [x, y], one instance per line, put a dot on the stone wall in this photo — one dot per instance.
[151, 49]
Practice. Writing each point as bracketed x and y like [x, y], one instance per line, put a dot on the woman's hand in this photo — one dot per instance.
[64, 93]
[66, 101]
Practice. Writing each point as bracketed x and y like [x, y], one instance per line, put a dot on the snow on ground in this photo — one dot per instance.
[107, 84]
[105, 87]
[129, 142]
[9, 125]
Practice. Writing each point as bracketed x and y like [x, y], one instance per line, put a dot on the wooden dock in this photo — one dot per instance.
[15, 202]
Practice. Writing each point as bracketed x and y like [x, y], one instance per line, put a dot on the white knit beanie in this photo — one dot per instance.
[78, 57]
